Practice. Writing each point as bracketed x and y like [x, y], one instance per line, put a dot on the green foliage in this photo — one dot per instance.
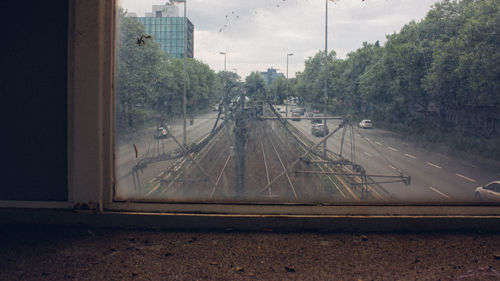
[256, 87]
[230, 85]
[280, 89]
[150, 84]
[437, 79]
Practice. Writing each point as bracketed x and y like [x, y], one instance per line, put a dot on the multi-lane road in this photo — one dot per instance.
[437, 174]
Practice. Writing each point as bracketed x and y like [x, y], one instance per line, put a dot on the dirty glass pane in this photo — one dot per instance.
[302, 101]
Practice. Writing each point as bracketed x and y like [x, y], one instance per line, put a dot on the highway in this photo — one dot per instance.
[437, 175]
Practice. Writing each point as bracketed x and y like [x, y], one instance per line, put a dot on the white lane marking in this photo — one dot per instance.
[433, 165]
[358, 135]
[368, 154]
[411, 156]
[466, 178]
[439, 192]
[378, 143]
[392, 167]
[392, 148]
[405, 143]
[470, 165]
[367, 139]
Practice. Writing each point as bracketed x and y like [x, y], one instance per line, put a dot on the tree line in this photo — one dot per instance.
[150, 83]
[437, 79]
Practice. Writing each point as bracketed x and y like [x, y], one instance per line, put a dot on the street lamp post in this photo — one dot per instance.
[224, 78]
[224, 53]
[326, 71]
[287, 84]
[184, 97]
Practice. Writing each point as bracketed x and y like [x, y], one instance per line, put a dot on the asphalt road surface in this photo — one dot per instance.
[437, 174]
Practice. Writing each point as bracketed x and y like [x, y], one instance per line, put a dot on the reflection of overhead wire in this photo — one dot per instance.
[370, 68]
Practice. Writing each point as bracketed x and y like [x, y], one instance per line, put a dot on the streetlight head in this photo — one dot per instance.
[222, 53]
[290, 54]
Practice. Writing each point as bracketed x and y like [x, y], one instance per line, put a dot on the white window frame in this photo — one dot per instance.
[91, 50]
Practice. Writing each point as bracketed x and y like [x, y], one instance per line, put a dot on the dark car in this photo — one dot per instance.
[319, 130]
[295, 116]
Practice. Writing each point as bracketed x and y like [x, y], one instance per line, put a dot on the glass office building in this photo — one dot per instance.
[270, 75]
[169, 32]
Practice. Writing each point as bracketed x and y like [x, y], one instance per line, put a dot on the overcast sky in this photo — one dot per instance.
[257, 34]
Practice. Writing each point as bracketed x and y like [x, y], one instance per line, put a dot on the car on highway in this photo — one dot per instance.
[488, 192]
[298, 110]
[161, 133]
[365, 124]
[295, 116]
[317, 121]
[319, 130]
[282, 110]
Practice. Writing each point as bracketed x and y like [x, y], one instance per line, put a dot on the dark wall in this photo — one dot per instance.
[34, 102]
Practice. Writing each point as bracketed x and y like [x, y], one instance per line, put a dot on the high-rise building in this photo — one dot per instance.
[167, 28]
[270, 75]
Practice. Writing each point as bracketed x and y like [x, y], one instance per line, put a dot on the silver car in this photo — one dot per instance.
[489, 192]
[319, 130]
[365, 124]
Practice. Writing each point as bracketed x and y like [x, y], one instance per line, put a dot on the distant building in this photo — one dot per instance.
[270, 75]
[167, 28]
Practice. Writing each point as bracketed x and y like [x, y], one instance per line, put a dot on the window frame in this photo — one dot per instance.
[432, 209]
[105, 124]
[91, 60]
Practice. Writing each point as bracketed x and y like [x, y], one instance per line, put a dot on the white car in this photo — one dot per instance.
[366, 124]
[489, 192]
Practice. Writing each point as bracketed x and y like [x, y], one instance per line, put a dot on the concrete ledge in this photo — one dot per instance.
[266, 223]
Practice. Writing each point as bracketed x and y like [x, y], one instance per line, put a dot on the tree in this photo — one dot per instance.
[230, 85]
[279, 89]
[140, 68]
[255, 86]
